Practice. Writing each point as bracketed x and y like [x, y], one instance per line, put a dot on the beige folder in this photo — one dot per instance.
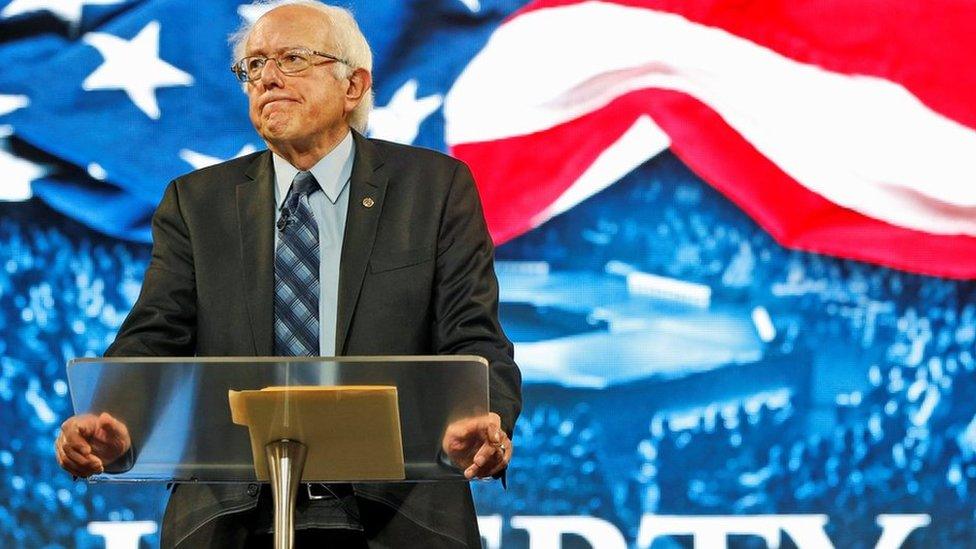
[352, 432]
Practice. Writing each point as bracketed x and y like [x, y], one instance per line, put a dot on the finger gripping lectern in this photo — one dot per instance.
[282, 420]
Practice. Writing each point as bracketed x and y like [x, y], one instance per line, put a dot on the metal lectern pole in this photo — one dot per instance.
[286, 459]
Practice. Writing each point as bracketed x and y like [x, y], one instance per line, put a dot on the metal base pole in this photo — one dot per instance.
[286, 459]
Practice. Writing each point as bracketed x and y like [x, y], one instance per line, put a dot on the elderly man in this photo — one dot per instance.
[326, 244]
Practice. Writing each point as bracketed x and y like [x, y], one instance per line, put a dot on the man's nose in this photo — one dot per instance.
[271, 75]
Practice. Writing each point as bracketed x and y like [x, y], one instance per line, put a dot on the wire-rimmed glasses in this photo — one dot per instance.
[291, 61]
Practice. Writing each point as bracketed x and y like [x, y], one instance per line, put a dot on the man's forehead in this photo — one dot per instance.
[284, 28]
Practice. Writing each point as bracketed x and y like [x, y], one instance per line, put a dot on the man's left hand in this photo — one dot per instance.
[478, 445]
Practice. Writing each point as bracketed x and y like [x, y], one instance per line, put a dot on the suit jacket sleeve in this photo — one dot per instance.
[466, 297]
[161, 323]
[163, 320]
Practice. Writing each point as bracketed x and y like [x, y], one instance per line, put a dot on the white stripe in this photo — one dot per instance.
[862, 142]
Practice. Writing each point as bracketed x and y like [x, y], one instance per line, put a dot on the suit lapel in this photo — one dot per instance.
[255, 218]
[367, 186]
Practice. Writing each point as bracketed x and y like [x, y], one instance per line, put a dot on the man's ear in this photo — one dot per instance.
[360, 82]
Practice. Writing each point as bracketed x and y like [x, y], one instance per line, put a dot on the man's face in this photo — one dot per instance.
[296, 109]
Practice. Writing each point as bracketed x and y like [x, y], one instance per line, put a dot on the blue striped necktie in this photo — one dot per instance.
[296, 300]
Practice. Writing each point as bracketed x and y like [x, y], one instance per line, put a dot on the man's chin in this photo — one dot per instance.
[275, 130]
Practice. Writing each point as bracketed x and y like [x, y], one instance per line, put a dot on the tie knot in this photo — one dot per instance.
[304, 183]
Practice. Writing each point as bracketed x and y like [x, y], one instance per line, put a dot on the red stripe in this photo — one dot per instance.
[927, 46]
[520, 177]
[795, 216]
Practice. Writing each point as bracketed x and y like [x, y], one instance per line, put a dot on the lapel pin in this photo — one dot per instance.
[368, 202]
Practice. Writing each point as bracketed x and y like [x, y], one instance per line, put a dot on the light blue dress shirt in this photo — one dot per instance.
[329, 207]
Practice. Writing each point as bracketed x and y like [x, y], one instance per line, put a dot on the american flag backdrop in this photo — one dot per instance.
[844, 128]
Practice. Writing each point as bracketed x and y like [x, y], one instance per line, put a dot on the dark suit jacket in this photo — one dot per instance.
[416, 278]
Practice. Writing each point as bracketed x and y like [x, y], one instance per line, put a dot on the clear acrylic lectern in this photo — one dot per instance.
[298, 410]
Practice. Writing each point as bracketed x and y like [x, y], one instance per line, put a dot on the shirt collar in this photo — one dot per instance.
[332, 172]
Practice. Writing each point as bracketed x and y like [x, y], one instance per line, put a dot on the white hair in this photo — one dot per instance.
[350, 45]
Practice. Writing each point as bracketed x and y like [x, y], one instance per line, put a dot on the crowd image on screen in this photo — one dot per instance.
[899, 437]
[903, 441]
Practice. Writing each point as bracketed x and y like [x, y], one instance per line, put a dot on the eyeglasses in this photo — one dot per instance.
[291, 61]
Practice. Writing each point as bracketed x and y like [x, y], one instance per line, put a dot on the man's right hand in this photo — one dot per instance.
[88, 443]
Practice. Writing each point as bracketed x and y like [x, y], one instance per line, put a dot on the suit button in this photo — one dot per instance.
[252, 490]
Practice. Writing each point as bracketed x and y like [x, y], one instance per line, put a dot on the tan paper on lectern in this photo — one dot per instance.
[351, 432]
